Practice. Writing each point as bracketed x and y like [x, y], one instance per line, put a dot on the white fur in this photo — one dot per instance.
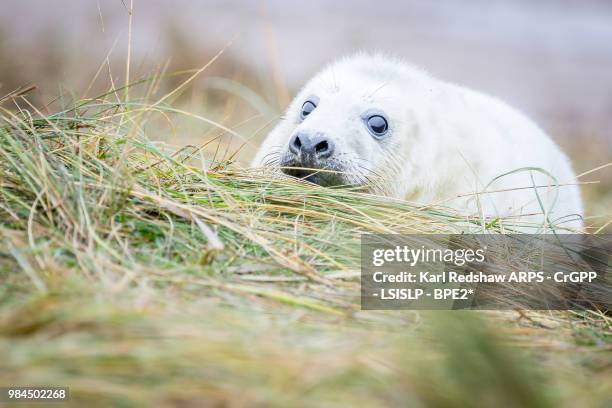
[445, 142]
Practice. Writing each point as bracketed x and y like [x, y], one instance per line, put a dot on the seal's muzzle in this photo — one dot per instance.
[311, 158]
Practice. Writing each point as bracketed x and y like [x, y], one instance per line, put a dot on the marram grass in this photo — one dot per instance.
[139, 277]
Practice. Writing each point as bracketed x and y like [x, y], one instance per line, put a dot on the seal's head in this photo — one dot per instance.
[350, 124]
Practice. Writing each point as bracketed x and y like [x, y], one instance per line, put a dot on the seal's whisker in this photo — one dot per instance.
[271, 159]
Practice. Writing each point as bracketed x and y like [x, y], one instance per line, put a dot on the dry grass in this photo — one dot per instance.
[140, 276]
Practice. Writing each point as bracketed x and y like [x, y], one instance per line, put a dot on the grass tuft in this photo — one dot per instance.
[138, 275]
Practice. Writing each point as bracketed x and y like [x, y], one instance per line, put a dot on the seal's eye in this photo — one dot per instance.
[377, 125]
[307, 108]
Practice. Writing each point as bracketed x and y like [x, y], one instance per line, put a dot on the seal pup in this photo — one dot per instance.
[376, 121]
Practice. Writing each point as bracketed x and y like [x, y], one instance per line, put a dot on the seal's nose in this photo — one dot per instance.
[319, 147]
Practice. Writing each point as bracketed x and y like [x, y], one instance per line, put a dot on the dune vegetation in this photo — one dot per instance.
[139, 275]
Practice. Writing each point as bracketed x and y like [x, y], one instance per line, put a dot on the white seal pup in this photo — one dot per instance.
[376, 121]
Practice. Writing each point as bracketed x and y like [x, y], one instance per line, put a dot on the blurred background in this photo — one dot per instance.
[550, 59]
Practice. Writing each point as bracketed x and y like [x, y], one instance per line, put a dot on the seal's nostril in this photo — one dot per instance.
[322, 147]
[309, 147]
[295, 145]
